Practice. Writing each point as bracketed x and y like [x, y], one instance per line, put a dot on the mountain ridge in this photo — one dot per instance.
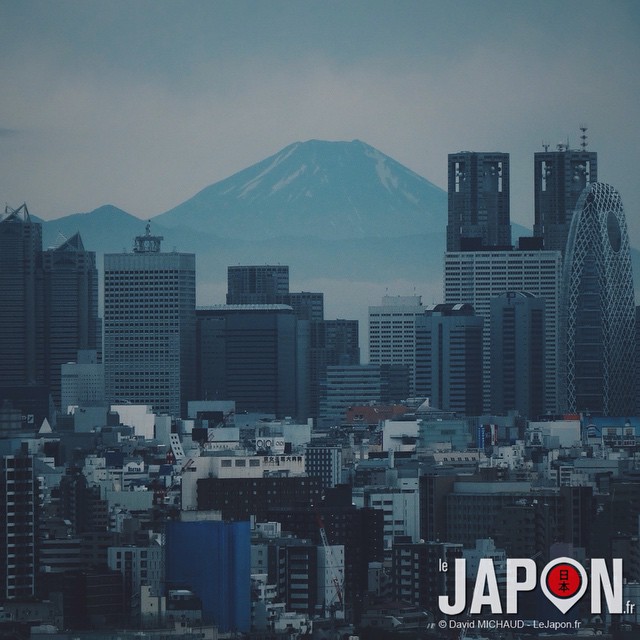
[319, 188]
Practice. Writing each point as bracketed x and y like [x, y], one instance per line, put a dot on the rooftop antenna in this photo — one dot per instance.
[545, 146]
[583, 137]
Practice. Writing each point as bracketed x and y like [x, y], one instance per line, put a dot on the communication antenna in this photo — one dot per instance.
[583, 137]
[545, 146]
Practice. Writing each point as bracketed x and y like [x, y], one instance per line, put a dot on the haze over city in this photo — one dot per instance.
[143, 104]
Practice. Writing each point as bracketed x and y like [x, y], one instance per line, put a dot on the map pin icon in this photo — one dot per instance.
[564, 582]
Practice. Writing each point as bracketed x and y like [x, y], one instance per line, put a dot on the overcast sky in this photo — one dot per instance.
[143, 103]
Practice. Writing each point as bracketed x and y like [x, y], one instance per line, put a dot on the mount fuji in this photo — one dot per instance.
[316, 189]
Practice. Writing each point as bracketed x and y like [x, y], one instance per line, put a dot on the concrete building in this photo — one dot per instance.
[149, 326]
[517, 354]
[476, 277]
[392, 332]
[479, 215]
[449, 357]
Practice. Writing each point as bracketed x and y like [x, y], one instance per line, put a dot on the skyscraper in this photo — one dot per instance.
[479, 215]
[478, 276]
[249, 353]
[449, 358]
[517, 354]
[149, 326]
[22, 312]
[392, 333]
[559, 179]
[71, 294]
[598, 322]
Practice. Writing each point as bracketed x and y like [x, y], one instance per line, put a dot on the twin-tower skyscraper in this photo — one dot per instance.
[578, 261]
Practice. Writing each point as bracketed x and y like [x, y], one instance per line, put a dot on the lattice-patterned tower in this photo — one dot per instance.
[598, 311]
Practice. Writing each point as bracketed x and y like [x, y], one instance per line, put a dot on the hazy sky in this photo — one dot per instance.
[143, 103]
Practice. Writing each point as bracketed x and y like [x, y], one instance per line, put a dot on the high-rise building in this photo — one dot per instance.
[392, 332]
[598, 322]
[449, 358]
[260, 284]
[517, 354]
[22, 312]
[149, 326]
[18, 527]
[559, 179]
[250, 354]
[476, 277]
[332, 342]
[479, 215]
[71, 294]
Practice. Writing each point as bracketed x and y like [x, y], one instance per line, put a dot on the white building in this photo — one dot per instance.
[392, 332]
[478, 276]
[150, 326]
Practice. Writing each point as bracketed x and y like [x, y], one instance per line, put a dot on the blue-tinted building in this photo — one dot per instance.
[598, 321]
[213, 559]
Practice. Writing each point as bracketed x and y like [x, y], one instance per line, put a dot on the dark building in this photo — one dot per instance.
[559, 179]
[22, 313]
[241, 498]
[479, 215]
[292, 565]
[80, 503]
[416, 574]
[517, 354]
[92, 599]
[213, 559]
[449, 358]
[71, 294]
[252, 354]
[257, 284]
[359, 530]
[19, 501]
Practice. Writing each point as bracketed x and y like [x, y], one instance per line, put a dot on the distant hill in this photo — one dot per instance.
[319, 189]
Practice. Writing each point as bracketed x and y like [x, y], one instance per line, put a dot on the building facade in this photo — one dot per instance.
[559, 179]
[479, 213]
[598, 321]
[22, 313]
[449, 358]
[517, 354]
[149, 326]
[71, 295]
[392, 332]
[476, 277]
[254, 355]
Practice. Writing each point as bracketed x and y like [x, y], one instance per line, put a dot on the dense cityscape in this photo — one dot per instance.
[236, 471]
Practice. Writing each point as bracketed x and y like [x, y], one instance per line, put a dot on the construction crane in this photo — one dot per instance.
[336, 579]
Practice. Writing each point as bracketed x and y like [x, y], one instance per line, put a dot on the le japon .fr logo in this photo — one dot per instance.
[564, 581]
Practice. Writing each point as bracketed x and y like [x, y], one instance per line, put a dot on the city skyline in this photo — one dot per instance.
[143, 108]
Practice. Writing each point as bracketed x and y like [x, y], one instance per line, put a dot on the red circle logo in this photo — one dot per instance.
[564, 580]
